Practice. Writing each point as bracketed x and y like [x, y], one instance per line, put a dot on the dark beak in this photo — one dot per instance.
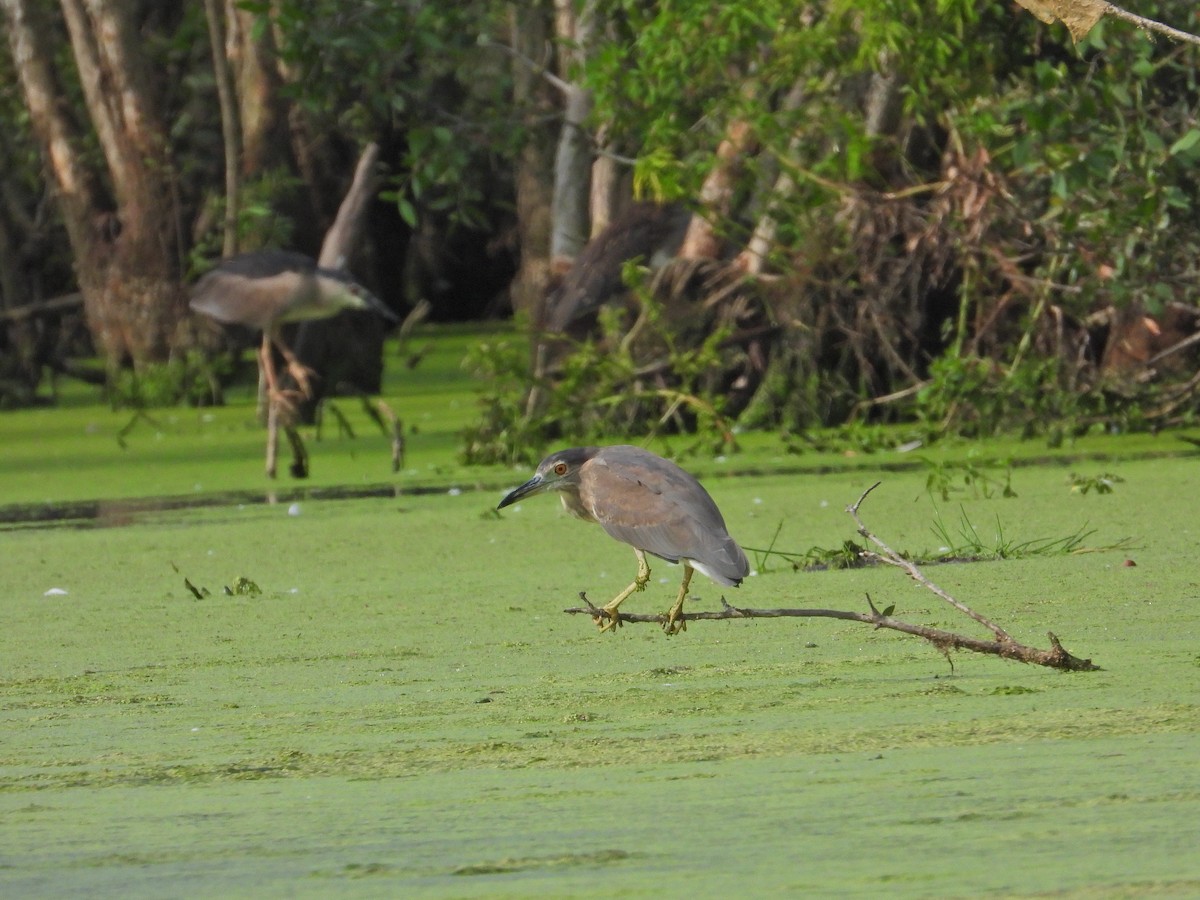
[379, 309]
[532, 486]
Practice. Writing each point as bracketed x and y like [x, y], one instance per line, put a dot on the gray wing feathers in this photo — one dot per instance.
[234, 299]
[664, 511]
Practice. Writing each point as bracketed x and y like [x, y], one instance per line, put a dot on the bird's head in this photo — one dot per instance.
[557, 472]
[344, 291]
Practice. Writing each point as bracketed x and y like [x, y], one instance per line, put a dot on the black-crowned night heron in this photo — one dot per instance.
[649, 503]
[270, 288]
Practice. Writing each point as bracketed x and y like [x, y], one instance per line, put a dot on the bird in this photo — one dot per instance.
[267, 289]
[648, 502]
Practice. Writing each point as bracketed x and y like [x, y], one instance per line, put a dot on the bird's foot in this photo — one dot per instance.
[673, 621]
[302, 375]
[607, 619]
[286, 400]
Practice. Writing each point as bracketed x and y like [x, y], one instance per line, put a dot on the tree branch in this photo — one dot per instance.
[1151, 25]
[1004, 646]
[348, 225]
[891, 557]
[537, 68]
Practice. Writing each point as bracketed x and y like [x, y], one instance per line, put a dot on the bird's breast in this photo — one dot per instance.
[575, 506]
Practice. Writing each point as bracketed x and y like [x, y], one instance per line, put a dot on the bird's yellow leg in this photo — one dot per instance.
[639, 583]
[272, 435]
[300, 372]
[276, 396]
[674, 624]
[267, 365]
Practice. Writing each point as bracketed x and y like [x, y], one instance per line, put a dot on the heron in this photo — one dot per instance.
[651, 504]
[267, 289]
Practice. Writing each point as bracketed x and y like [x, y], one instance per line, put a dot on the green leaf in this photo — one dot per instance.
[1185, 143]
[407, 211]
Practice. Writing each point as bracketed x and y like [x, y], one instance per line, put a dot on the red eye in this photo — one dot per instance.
[560, 468]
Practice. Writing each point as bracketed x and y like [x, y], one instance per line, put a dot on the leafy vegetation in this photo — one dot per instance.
[1104, 483]
[948, 477]
[964, 542]
[968, 262]
[960, 542]
[194, 379]
[974, 220]
[599, 389]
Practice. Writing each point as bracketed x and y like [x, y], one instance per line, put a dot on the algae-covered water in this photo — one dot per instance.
[404, 710]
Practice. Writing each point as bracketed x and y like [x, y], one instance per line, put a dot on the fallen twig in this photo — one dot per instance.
[891, 557]
[1004, 646]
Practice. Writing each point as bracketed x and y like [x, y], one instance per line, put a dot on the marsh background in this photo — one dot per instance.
[945, 248]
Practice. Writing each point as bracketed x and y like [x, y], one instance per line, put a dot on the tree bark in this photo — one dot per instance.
[33, 55]
[343, 234]
[256, 74]
[716, 195]
[572, 178]
[346, 350]
[610, 191]
[229, 127]
[535, 101]
[272, 137]
[753, 259]
[126, 247]
[573, 159]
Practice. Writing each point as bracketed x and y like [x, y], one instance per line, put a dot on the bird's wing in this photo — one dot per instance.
[265, 263]
[233, 298]
[664, 511]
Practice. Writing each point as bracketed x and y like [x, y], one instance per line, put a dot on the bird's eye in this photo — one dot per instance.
[560, 468]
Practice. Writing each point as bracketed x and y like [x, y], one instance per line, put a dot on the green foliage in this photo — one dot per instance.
[847, 556]
[853, 437]
[193, 379]
[978, 397]
[1103, 148]
[676, 75]
[959, 543]
[1104, 483]
[1084, 179]
[1099, 141]
[260, 225]
[417, 71]
[504, 432]
[966, 543]
[598, 388]
[944, 479]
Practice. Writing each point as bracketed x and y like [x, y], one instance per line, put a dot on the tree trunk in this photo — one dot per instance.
[261, 113]
[126, 248]
[573, 159]
[716, 195]
[535, 100]
[229, 126]
[269, 137]
[610, 191]
[79, 196]
[572, 178]
[753, 259]
[347, 351]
